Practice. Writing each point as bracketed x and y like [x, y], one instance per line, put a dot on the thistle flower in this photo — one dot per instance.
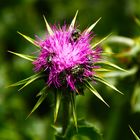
[68, 62]
[66, 57]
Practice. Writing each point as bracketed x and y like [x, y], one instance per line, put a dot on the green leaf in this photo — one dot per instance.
[48, 27]
[88, 130]
[28, 57]
[41, 99]
[118, 73]
[125, 41]
[73, 21]
[112, 65]
[92, 26]
[58, 137]
[29, 39]
[74, 110]
[30, 81]
[42, 91]
[97, 78]
[85, 129]
[23, 81]
[94, 45]
[94, 91]
[57, 105]
[137, 138]
[135, 99]
[137, 21]
[102, 70]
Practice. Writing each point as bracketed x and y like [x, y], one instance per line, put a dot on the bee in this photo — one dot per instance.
[77, 69]
[49, 58]
[75, 35]
[90, 59]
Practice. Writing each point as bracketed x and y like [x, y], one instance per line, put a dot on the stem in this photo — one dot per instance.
[65, 112]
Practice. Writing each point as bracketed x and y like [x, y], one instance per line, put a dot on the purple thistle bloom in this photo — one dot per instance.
[66, 57]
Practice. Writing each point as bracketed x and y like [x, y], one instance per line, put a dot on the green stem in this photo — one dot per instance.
[65, 112]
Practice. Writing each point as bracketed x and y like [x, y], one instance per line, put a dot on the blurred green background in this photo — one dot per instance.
[26, 16]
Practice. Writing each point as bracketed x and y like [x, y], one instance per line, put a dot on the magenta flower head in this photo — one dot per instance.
[68, 62]
[66, 57]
